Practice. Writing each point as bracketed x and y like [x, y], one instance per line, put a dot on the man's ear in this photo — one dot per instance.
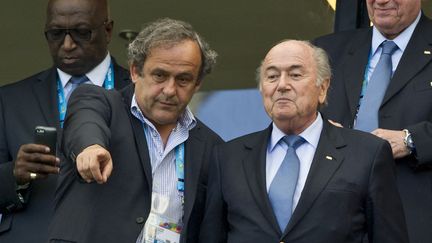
[323, 91]
[198, 85]
[109, 30]
[134, 73]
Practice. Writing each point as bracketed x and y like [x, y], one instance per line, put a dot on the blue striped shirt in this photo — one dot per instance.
[162, 158]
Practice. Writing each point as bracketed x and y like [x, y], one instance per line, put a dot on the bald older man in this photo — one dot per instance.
[302, 180]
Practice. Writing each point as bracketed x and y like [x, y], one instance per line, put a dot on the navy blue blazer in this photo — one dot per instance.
[117, 210]
[350, 194]
[407, 104]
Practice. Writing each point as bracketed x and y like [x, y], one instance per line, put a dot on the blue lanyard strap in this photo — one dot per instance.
[364, 84]
[179, 161]
[61, 101]
[108, 84]
[109, 78]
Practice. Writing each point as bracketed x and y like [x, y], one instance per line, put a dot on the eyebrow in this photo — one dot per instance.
[159, 70]
[269, 68]
[290, 68]
[166, 72]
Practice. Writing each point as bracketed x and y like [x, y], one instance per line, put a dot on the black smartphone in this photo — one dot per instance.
[46, 136]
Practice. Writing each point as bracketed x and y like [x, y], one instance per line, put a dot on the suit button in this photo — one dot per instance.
[139, 220]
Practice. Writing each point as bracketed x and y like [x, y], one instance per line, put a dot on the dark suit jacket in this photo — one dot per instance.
[24, 105]
[350, 190]
[407, 105]
[116, 211]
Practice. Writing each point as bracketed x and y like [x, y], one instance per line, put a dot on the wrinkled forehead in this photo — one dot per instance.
[74, 12]
[289, 54]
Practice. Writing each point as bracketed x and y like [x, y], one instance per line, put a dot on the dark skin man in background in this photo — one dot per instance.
[78, 33]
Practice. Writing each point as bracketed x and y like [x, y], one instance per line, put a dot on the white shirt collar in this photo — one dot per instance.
[311, 134]
[96, 75]
[401, 40]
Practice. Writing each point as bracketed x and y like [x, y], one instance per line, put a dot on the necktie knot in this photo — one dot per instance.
[78, 79]
[293, 141]
[389, 47]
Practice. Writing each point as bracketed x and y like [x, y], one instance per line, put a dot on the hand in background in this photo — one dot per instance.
[396, 140]
[34, 159]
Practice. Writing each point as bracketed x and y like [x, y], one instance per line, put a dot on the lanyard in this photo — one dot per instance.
[108, 84]
[179, 162]
[364, 83]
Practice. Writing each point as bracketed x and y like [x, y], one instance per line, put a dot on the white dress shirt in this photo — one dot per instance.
[96, 75]
[162, 159]
[401, 41]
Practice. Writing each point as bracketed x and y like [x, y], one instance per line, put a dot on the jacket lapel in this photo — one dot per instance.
[121, 76]
[194, 150]
[413, 59]
[139, 136]
[45, 91]
[354, 66]
[326, 161]
[254, 165]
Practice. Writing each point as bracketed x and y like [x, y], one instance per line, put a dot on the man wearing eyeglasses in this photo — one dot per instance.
[77, 33]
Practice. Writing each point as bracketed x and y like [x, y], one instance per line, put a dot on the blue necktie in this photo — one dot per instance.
[76, 81]
[284, 183]
[367, 117]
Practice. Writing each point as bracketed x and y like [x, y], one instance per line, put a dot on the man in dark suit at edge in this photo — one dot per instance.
[77, 33]
[403, 114]
[142, 144]
[301, 180]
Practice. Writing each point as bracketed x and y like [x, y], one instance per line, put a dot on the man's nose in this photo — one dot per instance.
[284, 82]
[68, 42]
[170, 87]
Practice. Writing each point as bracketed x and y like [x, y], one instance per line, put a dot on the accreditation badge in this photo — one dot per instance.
[158, 228]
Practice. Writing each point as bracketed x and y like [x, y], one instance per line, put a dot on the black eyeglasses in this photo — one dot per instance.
[78, 34]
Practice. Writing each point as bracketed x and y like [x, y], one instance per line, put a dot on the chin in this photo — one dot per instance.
[386, 22]
[284, 116]
[166, 120]
[72, 70]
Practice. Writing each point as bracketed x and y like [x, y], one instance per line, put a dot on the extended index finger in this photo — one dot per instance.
[95, 169]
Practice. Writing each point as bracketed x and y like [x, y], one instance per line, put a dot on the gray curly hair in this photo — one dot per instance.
[168, 32]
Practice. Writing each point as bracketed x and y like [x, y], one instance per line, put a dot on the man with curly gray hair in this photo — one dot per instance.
[143, 144]
[168, 32]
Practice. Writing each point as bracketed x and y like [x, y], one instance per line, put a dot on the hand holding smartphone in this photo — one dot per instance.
[46, 136]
